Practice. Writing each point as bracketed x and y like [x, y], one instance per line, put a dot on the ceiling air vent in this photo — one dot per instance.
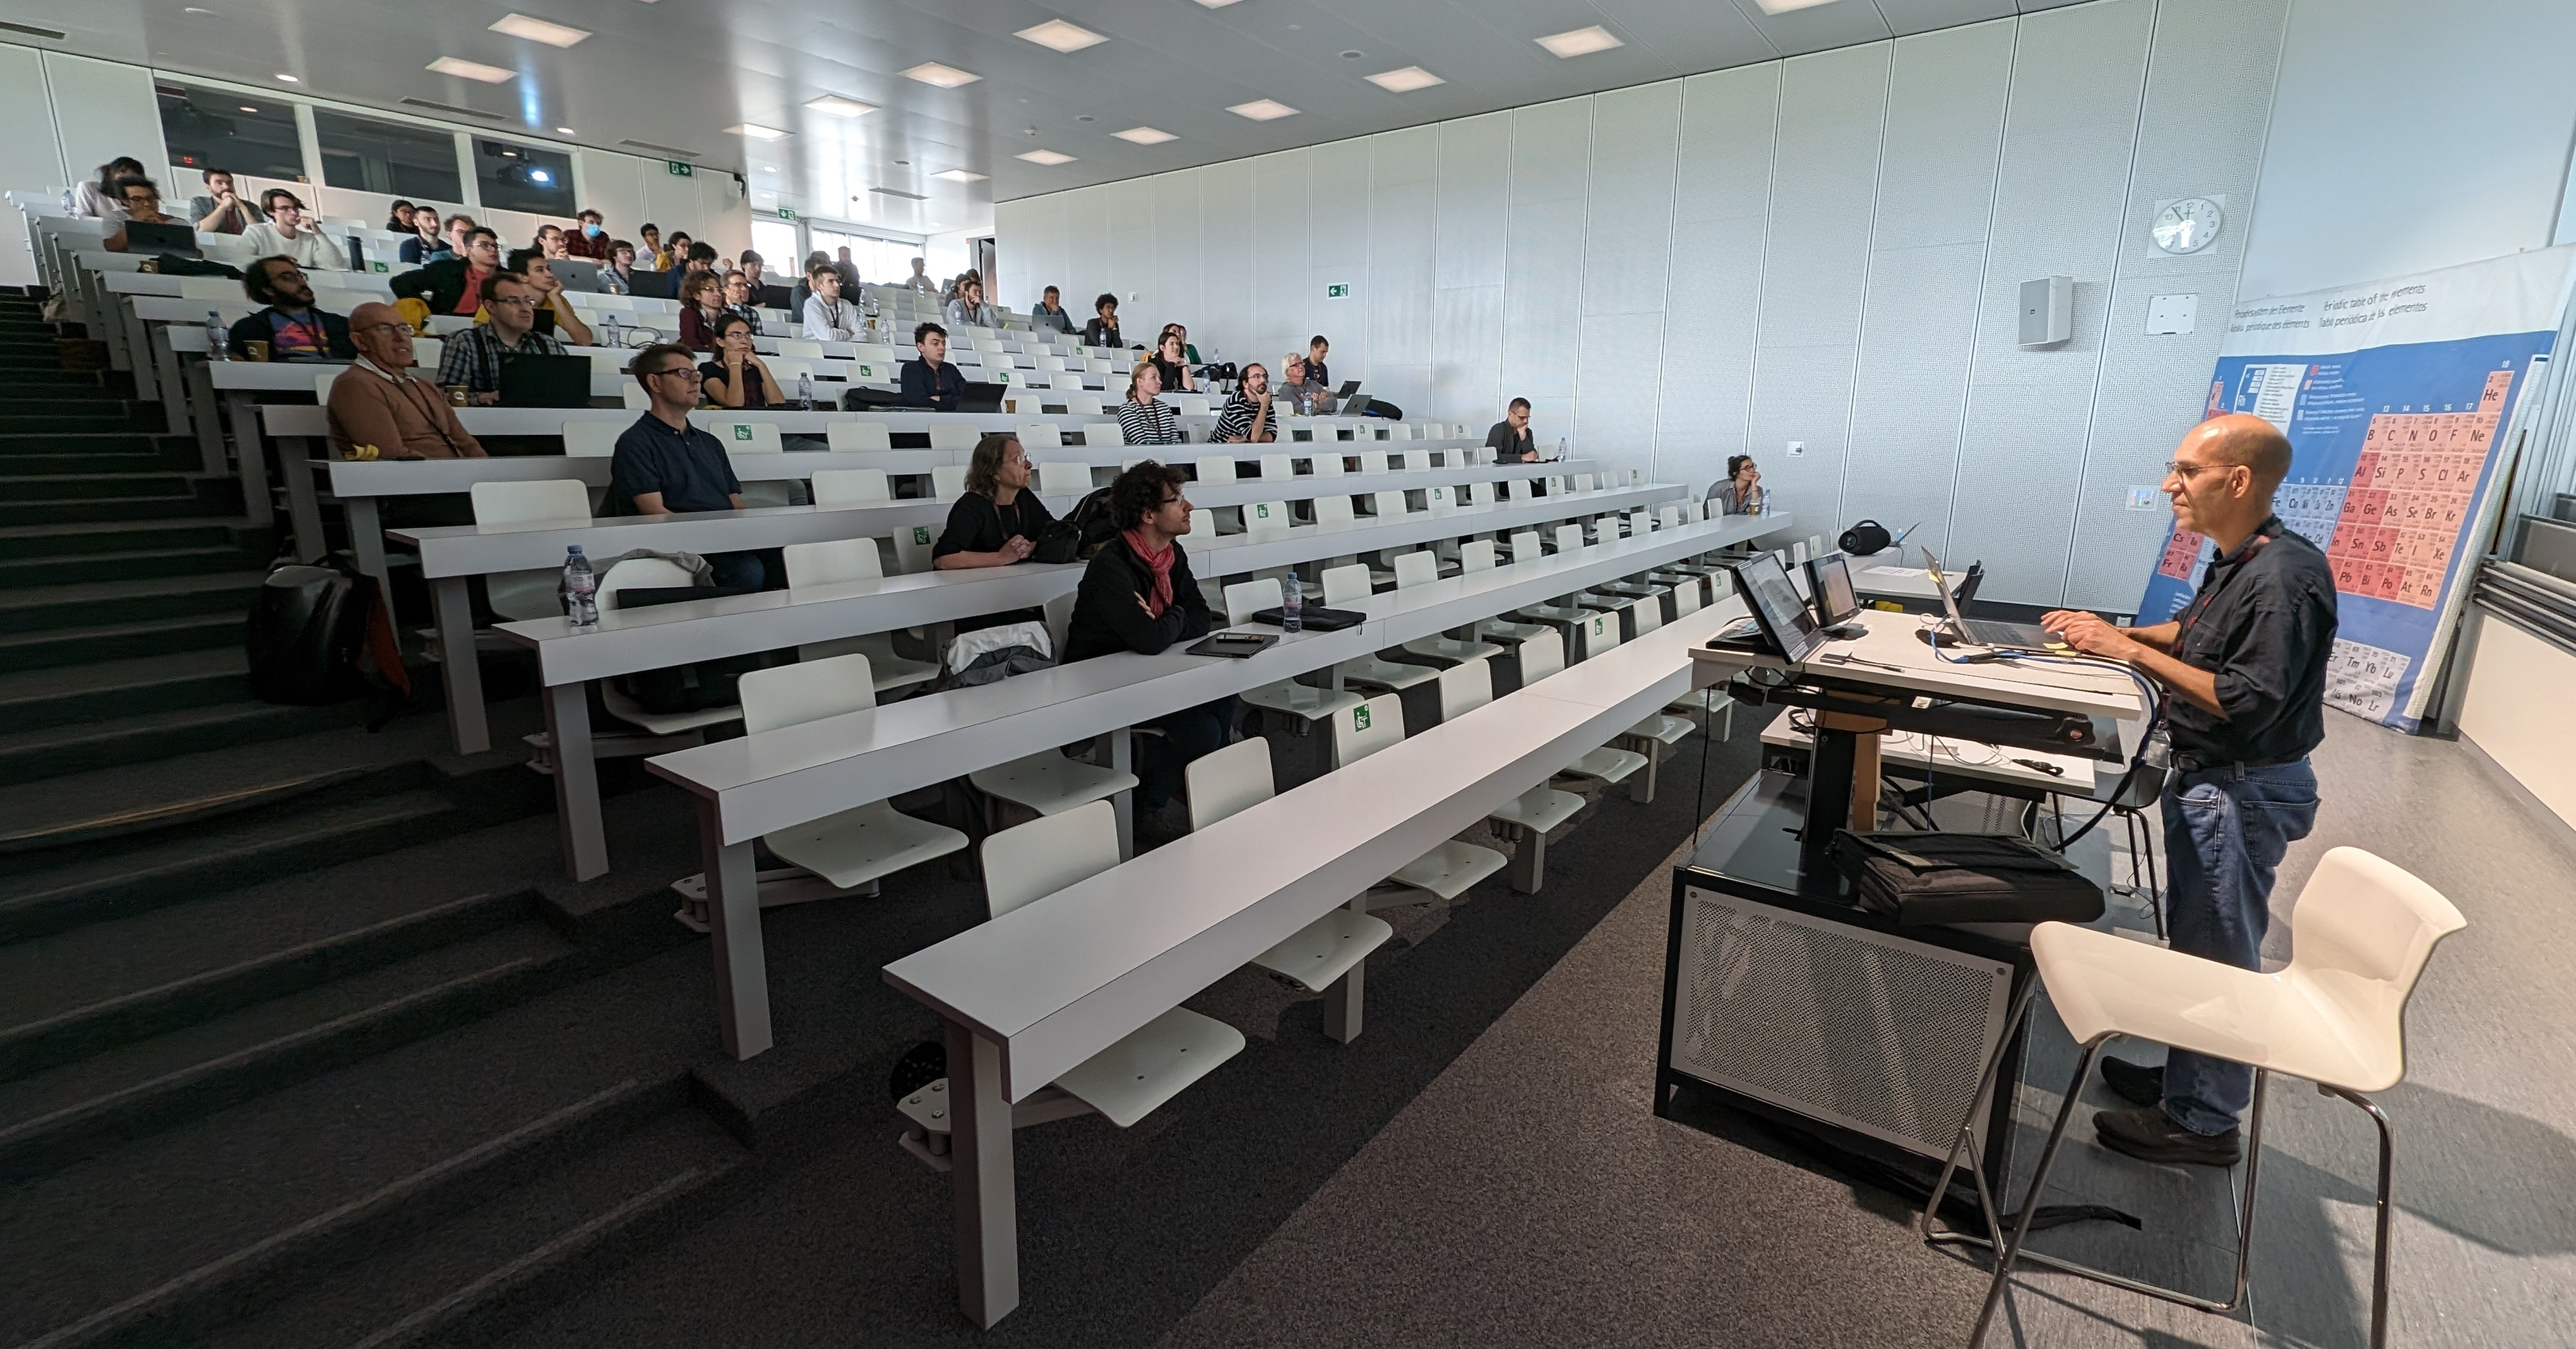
[31, 30]
[899, 192]
[671, 150]
[453, 110]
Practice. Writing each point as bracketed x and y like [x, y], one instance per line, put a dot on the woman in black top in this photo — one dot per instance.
[999, 520]
[737, 378]
[1172, 363]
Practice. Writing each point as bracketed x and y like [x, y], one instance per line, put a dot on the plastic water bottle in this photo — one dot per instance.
[219, 343]
[1560, 449]
[609, 322]
[804, 391]
[580, 589]
[1292, 605]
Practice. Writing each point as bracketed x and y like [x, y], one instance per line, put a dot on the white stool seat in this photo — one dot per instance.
[858, 845]
[1610, 765]
[663, 723]
[1504, 630]
[1386, 674]
[1662, 729]
[1449, 870]
[1541, 809]
[1156, 1062]
[1049, 783]
[886, 670]
[1450, 649]
[1304, 700]
[1326, 949]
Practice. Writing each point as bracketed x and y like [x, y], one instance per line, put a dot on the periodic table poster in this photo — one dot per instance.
[2395, 396]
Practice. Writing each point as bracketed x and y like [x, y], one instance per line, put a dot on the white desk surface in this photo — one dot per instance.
[1887, 574]
[480, 550]
[1056, 981]
[1889, 654]
[762, 783]
[1946, 757]
[309, 420]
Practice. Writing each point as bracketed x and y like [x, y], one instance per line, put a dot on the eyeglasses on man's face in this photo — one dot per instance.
[515, 301]
[2176, 468]
[682, 371]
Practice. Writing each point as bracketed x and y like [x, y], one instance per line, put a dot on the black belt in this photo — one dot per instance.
[2193, 763]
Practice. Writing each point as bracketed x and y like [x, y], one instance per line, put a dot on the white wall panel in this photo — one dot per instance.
[1280, 234]
[1174, 255]
[1404, 209]
[30, 161]
[103, 109]
[2059, 202]
[1127, 212]
[670, 201]
[1628, 223]
[1473, 203]
[612, 185]
[1543, 259]
[1721, 225]
[1223, 328]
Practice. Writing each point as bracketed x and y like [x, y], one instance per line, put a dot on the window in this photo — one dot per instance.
[389, 157]
[775, 242]
[881, 262]
[521, 178]
[250, 136]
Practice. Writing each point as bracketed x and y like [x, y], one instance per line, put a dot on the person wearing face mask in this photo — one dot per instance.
[286, 232]
[589, 239]
[931, 382]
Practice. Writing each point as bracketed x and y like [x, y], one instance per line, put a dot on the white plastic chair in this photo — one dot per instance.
[530, 594]
[948, 481]
[1534, 813]
[1324, 952]
[2360, 935]
[1123, 1083]
[1084, 405]
[1344, 586]
[1216, 468]
[836, 487]
[1452, 868]
[651, 573]
[1104, 433]
[1266, 517]
[740, 437]
[591, 440]
[1243, 599]
[848, 847]
[839, 562]
[954, 435]
[1040, 436]
[1422, 568]
[1064, 478]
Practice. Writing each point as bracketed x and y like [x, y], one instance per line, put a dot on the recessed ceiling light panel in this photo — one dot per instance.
[1215, 4]
[1405, 81]
[1784, 6]
[960, 176]
[1263, 110]
[841, 107]
[538, 30]
[467, 70]
[756, 131]
[1581, 42]
[1145, 135]
[1062, 36]
[1050, 158]
[945, 77]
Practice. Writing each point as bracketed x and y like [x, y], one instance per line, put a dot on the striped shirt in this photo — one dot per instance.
[1236, 421]
[475, 356]
[1148, 423]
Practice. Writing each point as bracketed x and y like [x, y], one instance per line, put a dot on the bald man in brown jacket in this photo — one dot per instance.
[379, 404]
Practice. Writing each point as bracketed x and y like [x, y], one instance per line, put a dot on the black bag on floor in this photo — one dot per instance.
[1918, 878]
[1080, 533]
[305, 633]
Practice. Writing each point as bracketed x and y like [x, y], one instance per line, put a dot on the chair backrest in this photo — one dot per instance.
[851, 487]
[1542, 656]
[1063, 477]
[591, 440]
[1103, 433]
[1650, 614]
[1243, 599]
[791, 695]
[1476, 555]
[1361, 731]
[633, 397]
[1670, 517]
[1334, 510]
[798, 347]
[832, 561]
[1266, 517]
[849, 436]
[1464, 687]
[1399, 431]
[1525, 545]
[641, 573]
[1390, 505]
[2361, 932]
[1467, 492]
[1569, 538]
[1040, 436]
[1059, 618]
[1373, 461]
[1583, 482]
[322, 382]
[1640, 522]
[788, 372]
[740, 437]
[426, 351]
[524, 503]
[948, 481]
[1229, 781]
[1028, 862]
[1686, 598]
[954, 435]
[1345, 584]
[1601, 632]
[1083, 405]
[1507, 489]
[1417, 461]
[1216, 468]
[1278, 466]
[1325, 465]
[1420, 567]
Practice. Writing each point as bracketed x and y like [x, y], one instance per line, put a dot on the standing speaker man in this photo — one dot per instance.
[2244, 670]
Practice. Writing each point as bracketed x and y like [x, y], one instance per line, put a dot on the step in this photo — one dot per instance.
[102, 442]
[32, 756]
[100, 481]
[115, 641]
[54, 1117]
[93, 603]
[32, 700]
[61, 510]
[19, 468]
[19, 542]
[129, 565]
[345, 1157]
[88, 1028]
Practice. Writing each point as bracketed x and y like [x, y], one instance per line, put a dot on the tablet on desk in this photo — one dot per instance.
[1234, 644]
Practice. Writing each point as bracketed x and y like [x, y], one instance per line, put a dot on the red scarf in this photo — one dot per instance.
[1161, 562]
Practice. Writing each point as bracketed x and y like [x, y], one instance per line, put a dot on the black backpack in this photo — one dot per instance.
[318, 633]
[1082, 532]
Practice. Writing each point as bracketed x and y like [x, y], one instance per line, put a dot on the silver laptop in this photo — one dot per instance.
[1985, 632]
[576, 274]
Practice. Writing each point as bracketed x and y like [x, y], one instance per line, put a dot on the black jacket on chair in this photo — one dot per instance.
[1108, 619]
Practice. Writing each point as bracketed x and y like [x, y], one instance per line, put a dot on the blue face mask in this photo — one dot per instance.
[590, 229]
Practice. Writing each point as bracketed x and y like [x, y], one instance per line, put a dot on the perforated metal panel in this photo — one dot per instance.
[1873, 1033]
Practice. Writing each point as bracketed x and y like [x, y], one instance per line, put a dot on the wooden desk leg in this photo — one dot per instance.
[985, 1193]
[577, 821]
[1864, 794]
[733, 930]
[455, 607]
[1122, 757]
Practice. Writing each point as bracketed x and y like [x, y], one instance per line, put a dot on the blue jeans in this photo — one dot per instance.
[1187, 736]
[2224, 837]
[738, 569]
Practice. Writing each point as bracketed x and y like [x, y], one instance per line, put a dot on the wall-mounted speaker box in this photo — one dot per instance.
[2047, 311]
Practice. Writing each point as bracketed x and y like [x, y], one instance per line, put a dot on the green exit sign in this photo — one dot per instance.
[786, 213]
[1336, 292]
[680, 169]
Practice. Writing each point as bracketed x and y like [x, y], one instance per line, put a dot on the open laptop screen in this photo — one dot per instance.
[1829, 581]
[1776, 606]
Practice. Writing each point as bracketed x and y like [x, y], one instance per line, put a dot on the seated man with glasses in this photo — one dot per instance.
[475, 356]
[379, 409]
[668, 465]
[291, 328]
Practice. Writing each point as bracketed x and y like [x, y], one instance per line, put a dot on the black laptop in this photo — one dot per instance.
[981, 397]
[534, 381]
[172, 238]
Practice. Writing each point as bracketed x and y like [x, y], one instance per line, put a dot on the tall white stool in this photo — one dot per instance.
[2335, 1015]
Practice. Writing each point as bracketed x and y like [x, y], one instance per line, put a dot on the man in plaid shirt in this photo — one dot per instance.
[474, 357]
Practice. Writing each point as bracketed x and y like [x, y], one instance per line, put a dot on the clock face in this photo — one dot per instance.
[2187, 226]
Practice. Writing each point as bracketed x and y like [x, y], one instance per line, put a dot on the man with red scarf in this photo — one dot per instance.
[1138, 595]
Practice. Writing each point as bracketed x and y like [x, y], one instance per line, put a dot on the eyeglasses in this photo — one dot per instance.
[379, 328]
[689, 371]
[521, 301]
[288, 275]
[2175, 468]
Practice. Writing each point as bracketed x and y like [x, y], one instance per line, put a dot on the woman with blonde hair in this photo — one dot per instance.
[1143, 416]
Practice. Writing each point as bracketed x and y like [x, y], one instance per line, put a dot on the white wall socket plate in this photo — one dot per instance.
[1797, 447]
